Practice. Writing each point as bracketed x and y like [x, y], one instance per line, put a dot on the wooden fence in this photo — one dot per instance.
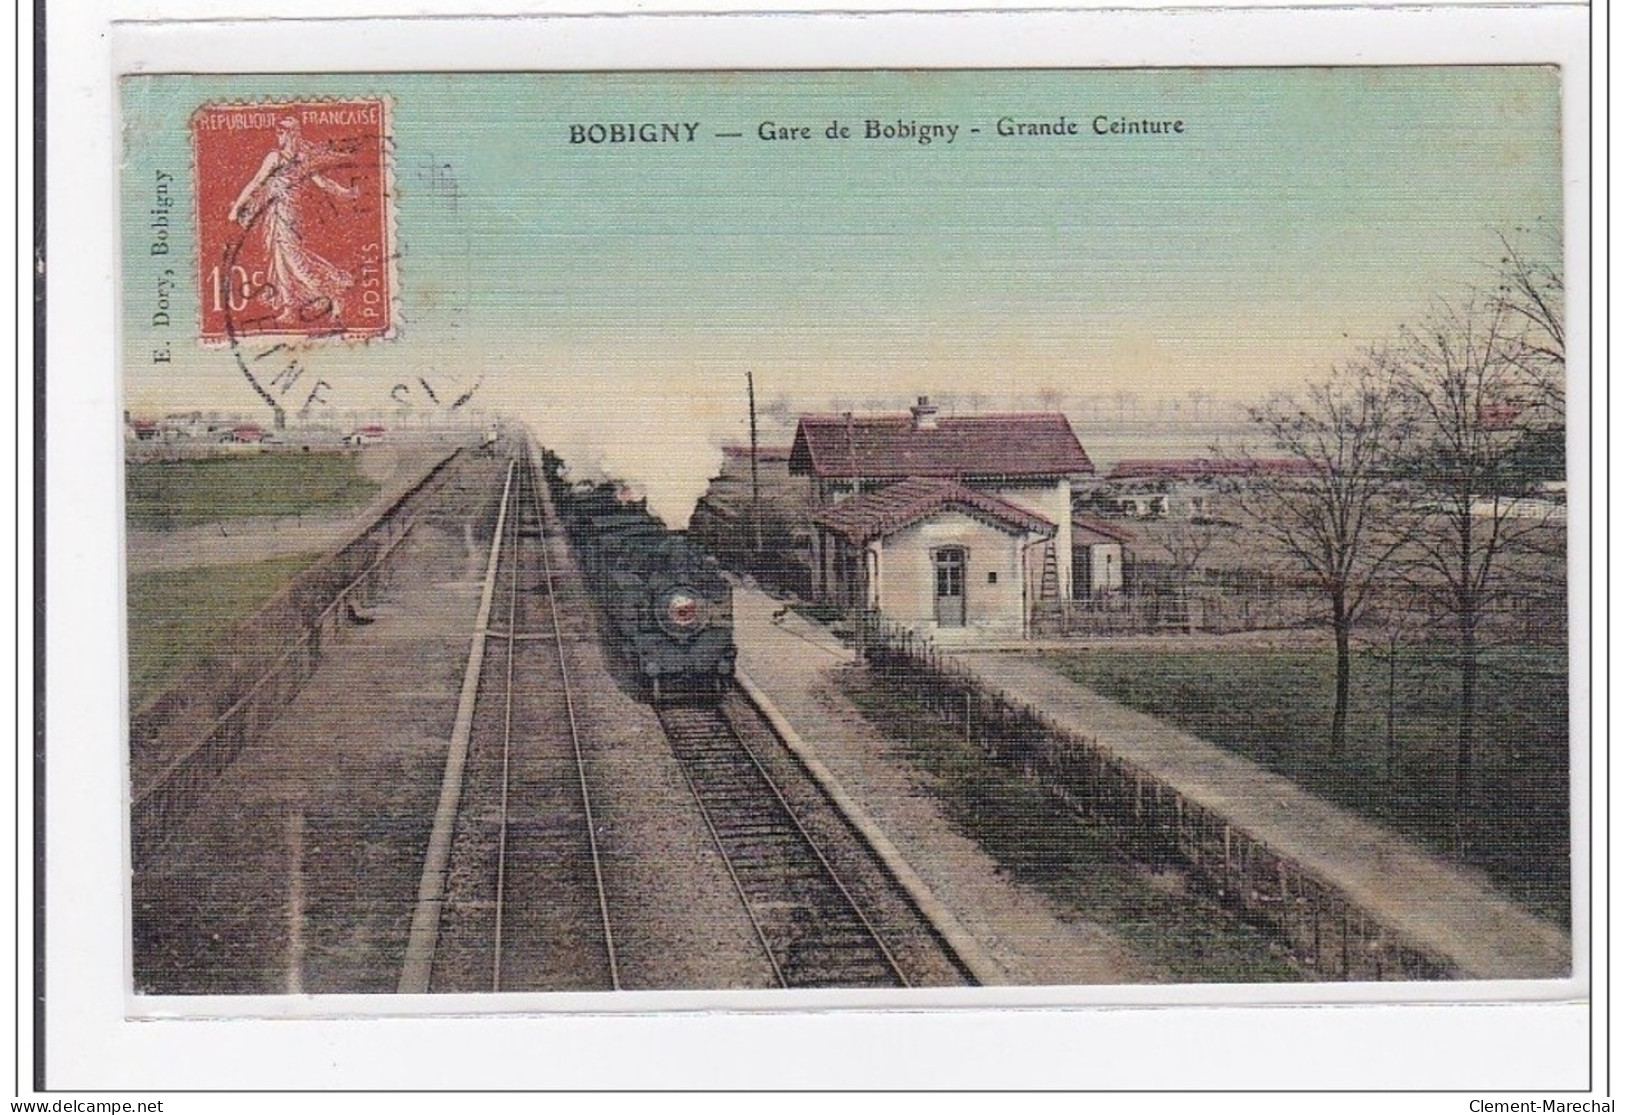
[1325, 933]
[1161, 598]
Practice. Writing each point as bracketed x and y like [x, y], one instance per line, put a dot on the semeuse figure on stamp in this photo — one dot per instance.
[298, 280]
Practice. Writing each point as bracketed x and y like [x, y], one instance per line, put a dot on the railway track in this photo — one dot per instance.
[813, 930]
[521, 904]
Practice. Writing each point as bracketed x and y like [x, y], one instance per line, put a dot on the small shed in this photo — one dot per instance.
[938, 557]
[1097, 557]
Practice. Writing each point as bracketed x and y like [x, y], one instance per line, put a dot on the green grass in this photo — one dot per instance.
[1076, 863]
[166, 495]
[177, 617]
[1274, 707]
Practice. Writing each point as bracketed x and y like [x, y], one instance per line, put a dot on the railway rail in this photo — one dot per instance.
[529, 912]
[815, 933]
[514, 895]
[539, 512]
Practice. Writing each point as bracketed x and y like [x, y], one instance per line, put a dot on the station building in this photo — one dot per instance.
[960, 528]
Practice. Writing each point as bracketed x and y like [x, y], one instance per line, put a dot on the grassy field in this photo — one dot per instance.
[166, 495]
[176, 617]
[1274, 707]
[1076, 864]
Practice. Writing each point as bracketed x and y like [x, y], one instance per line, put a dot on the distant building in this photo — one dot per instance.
[183, 425]
[1176, 488]
[1097, 561]
[987, 497]
[365, 435]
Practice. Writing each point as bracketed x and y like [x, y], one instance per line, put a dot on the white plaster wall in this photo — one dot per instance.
[907, 591]
[1054, 502]
[1102, 578]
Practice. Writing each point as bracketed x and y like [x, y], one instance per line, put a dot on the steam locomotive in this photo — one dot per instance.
[670, 610]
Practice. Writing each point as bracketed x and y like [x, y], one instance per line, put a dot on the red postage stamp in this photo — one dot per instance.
[293, 220]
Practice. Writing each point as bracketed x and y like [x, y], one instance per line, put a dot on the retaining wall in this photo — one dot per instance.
[1325, 933]
[183, 739]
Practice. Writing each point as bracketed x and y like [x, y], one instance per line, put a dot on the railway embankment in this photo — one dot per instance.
[1317, 888]
[185, 736]
[1354, 899]
[295, 868]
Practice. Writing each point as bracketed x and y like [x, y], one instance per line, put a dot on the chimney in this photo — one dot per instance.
[925, 415]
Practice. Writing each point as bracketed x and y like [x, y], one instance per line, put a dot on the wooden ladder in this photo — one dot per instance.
[1049, 585]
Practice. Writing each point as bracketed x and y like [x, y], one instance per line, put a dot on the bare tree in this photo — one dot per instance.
[1468, 392]
[1187, 541]
[1529, 288]
[1331, 500]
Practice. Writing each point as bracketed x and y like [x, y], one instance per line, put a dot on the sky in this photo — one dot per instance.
[615, 294]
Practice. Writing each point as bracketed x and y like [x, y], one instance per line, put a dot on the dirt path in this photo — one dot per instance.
[1447, 910]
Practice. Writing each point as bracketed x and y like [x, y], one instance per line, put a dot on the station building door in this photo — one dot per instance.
[950, 587]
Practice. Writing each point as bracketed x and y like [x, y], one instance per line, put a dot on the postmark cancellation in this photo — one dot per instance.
[294, 219]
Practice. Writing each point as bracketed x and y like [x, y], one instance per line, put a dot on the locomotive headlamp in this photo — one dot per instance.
[684, 611]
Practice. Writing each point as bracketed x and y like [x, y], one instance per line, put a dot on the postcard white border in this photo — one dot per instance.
[1124, 1045]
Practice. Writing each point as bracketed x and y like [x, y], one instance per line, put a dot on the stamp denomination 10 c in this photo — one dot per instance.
[294, 216]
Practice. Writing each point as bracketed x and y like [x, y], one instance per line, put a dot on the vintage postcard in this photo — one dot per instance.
[878, 530]
[731, 531]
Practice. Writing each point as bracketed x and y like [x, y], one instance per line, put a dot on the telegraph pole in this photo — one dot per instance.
[755, 484]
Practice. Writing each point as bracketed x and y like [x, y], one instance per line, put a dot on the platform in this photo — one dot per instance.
[1452, 912]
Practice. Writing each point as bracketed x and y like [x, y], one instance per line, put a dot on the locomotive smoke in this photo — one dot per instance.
[665, 448]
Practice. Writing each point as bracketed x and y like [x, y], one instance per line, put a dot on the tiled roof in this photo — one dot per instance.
[877, 514]
[893, 446]
[1100, 527]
